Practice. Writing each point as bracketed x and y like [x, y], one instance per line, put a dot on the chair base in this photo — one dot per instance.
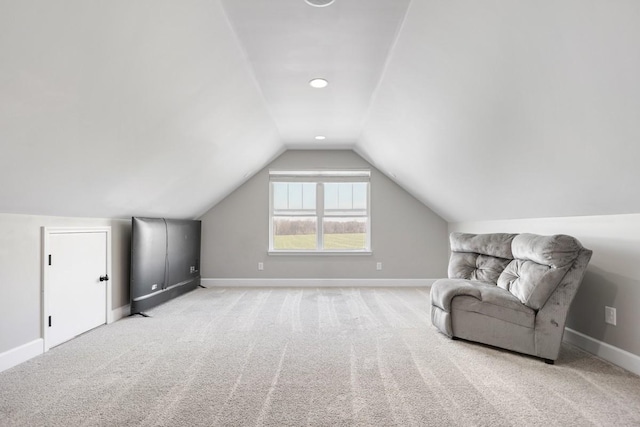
[547, 361]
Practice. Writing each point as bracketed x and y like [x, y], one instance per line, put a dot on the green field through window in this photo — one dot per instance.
[342, 241]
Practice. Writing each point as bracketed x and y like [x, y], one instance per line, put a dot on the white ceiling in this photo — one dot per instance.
[482, 110]
[120, 108]
[288, 43]
[505, 109]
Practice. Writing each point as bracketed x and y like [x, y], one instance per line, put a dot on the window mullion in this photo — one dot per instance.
[320, 215]
[271, 208]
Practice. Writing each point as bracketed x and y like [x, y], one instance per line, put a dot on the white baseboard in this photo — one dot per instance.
[120, 312]
[615, 355]
[316, 283]
[18, 355]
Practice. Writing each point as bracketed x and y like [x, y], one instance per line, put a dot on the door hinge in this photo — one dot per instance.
[49, 321]
[49, 259]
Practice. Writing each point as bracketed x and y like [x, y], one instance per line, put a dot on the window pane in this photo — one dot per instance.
[345, 233]
[294, 196]
[280, 195]
[344, 196]
[360, 195]
[309, 195]
[330, 195]
[291, 233]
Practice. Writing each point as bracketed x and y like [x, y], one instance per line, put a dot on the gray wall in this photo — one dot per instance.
[612, 278]
[21, 269]
[406, 236]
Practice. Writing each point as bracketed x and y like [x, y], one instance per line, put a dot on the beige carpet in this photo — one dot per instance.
[305, 357]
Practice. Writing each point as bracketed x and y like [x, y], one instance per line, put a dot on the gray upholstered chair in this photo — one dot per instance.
[509, 290]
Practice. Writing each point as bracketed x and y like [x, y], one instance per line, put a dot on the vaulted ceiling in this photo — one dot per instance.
[481, 110]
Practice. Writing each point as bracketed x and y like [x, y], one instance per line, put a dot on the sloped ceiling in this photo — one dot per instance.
[120, 108]
[482, 110]
[513, 109]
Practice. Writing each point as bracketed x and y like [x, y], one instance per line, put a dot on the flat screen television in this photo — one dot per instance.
[165, 260]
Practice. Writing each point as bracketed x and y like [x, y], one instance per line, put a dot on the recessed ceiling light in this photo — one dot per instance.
[318, 83]
[321, 137]
[319, 3]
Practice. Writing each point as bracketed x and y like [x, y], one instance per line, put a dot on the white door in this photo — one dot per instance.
[76, 297]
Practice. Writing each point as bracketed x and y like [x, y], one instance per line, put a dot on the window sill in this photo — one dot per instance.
[320, 253]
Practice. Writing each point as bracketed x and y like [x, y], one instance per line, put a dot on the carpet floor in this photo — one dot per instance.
[305, 357]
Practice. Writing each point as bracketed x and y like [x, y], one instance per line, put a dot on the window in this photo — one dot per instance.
[319, 211]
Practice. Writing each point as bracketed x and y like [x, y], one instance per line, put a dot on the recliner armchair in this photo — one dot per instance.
[509, 290]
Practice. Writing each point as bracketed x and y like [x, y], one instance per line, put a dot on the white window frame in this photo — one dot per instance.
[320, 177]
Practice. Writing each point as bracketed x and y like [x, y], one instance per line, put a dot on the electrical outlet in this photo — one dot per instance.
[378, 266]
[610, 315]
[154, 286]
[260, 266]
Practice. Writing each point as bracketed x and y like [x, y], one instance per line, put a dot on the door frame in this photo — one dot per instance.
[46, 235]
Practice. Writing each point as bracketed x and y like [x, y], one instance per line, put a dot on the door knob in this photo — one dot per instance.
[104, 278]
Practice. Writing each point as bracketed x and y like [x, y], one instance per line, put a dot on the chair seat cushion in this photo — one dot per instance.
[483, 298]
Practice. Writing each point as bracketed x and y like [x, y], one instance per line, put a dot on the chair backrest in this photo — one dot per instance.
[527, 265]
[539, 264]
[480, 257]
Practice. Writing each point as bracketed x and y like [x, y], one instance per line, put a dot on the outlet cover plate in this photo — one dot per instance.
[610, 315]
